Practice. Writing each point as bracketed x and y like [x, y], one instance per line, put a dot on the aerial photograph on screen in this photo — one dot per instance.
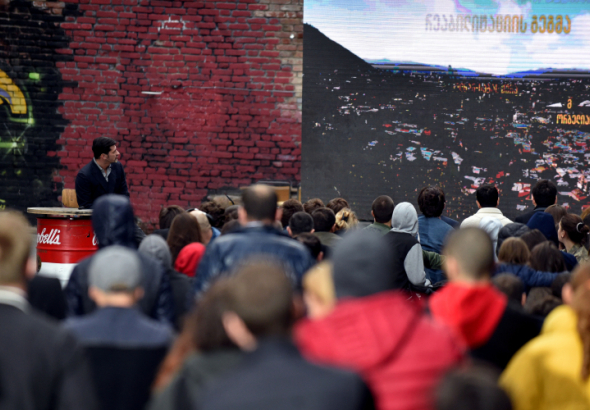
[398, 95]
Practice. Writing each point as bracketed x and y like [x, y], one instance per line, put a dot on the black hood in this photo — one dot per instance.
[113, 222]
[510, 230]
[362, 265]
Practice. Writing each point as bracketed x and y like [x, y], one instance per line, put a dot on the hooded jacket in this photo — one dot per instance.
[400, 352]
[514, 229]
[545, 374]
[113, 224]
[156, 247]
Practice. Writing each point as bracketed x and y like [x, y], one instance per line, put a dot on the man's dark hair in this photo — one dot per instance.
[532, 238]
[540, 302]
[487, 196]
[382, 209]
[102, 145]
[431, 201]
[544, 193]
[167, 215]
[510, 285]
[312, 205]
[216, 212]
[545, 257]
[323, 219]
[337, 204]
[311, 242]
[260, 202]
[261, 295]
[290, 207]
[206, 324]
[301, 222]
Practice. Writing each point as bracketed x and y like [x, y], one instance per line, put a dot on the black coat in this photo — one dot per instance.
[524, 218]
[91, 184]
[46, 295]
[276, 377]
[42, 367]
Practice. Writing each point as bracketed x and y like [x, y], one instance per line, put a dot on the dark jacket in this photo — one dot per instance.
[42, 366]
[524, 218]
[197, 372]
[46, 295]
[112, 221]
[530, 277]
[482, 318]
[276, 377]
[513, 229]
[125, 350]
[227, 251]
[91, 184]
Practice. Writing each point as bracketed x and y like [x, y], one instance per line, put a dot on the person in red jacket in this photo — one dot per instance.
[374, 330]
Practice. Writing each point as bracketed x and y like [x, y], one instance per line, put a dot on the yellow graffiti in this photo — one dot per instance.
[10, 93]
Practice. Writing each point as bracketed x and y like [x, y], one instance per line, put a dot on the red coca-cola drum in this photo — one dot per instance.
[62, 242]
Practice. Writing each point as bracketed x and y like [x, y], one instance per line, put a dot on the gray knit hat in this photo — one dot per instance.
[115, 269]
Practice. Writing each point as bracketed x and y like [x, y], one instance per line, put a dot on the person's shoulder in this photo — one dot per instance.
[85, 170]
[158, 332]
[472, 220]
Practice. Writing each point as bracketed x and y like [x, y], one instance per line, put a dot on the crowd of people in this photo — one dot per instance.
[261, 305]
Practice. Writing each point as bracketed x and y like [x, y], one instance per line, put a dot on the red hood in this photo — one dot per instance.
[472, 312]
[189, 257]
[366, 331]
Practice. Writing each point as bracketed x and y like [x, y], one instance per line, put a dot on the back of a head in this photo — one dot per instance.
[230, 227]
[311, 242]
[113, 222]
[323, 219]
[260, 202]
[510, 230]
[301, 222]
[559, 282]
[337, 204]
[532, 238]
[231, 213]
[15, 247]
[382, 208]
[547, 258]
[184, 230]
[311, 205]
[262, 296]
[514, 252]
[290, 207]
[155, 246]
[102, 145]
[115, 269]
[405, 218]
[362, 265]
[473, 250]
[167, 215]
[487, 196]
[540, 302]
[216, 211]
[544, 222]
[431, 201]
[557, 212]
[510, 285]
[471, 389]
[208, 331]
[203, 221]
[575, 228]
[544, 193]
[346, 219]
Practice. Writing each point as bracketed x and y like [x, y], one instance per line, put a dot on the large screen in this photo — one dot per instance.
[398, 95]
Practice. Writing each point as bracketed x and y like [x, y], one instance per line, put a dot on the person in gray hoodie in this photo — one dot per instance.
[403, 241]
[156, 247]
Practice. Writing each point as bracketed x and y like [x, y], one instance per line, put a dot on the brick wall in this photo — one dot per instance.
[227, 78]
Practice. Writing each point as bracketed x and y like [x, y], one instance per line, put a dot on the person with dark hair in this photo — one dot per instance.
[103, 175]
[300, 222]
[479, 314]
[557, 212]
[313, 244]
[543, 222]
[433, 231]
[573, 234]
[532, 238]
[472, 388]
[231, 213]
[514, 229]
[324, 223]
[259, 319]
[312, 204]
[544, 194]
[551, 371]
[487, 199]
[540, 302]
[510, 285]
[216, 212]
[184, 230]
[337, 204]
[546, 257]
[165, 218]
[290, 207]
[230, 226]
[257, 236]
[381, 210]
[373, 329]
[558, 284]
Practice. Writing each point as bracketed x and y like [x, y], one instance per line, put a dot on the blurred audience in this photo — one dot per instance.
[573, 235]
[381, 210]
[289, 208]
[487, 200]
[324, 223]
[167, 215]
[311, 205]
[184, 230]
[544, 194]
[300, 222]
[345, 221]
[337, 204]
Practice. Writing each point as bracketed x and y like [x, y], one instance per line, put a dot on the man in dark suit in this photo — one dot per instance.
[103, 175]
[544, 195]
[41, 365]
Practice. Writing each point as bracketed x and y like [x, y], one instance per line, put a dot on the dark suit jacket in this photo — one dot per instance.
[91, 184]
[524, 218]
[42, 366]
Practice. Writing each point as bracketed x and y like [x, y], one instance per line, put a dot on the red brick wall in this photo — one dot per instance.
[228, 114]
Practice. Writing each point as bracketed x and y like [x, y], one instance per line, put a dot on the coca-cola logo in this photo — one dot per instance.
[52, 238]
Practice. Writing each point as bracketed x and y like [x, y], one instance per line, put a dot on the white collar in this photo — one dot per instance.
[13, 296]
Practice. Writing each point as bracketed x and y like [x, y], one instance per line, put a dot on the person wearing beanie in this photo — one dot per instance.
[188, 259]
[372, 328]
[544, 222]
[124, 346]
[207, 233]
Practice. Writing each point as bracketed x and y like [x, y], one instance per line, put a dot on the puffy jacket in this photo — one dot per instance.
[113, 224]
[530, 277]
[400, 352]
[228, 251]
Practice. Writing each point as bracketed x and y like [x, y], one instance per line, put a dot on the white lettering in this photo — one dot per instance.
[52, 238]
[94, 240]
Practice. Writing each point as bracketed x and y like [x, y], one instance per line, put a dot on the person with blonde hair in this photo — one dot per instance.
[318, 290]
[551, 371]
[345, 220]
